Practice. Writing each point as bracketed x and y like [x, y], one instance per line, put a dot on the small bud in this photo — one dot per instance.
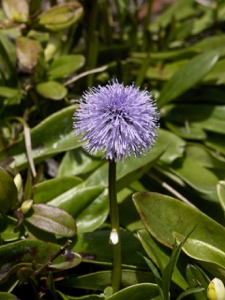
[114, 237]
[216, 290]
[18, 182]
[26, 206]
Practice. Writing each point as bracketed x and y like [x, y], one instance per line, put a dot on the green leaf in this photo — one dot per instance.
[51, 219]
[8, 192]
[187, 76]
[65, 65]
[163, 215]
[51, 90]
[88, 205]
[143, 291]
[48, 138]
[52, 188]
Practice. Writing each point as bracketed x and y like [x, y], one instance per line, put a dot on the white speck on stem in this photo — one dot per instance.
[114, 237]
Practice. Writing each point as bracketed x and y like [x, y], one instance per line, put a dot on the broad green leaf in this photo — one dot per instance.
[48, 138]
[65, 65]
[51, 90]
[7, 59]
[221, 193]
[25, 252]
[187, 76]
[51, 219]
[61, 16]
[27, 51]
[52, 188]
[163, 215]
[211, 117]
[94, 247]
[88, 205]
[100, 280]
[160, 255]
[143, 291]
[78, 162]
[8, 192]
[202, 179]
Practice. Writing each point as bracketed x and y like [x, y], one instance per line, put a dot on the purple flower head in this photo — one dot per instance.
[116, 119]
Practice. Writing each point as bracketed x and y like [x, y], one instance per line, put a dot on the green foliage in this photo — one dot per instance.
[49, 55]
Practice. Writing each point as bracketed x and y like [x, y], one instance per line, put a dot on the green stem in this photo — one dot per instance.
[115, 232]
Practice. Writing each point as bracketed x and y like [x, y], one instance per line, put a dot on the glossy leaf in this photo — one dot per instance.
[65, 65]
[25, 252]
[51, 90]
[52, 188]
[8, 192]
[48, 138]
[52, 219]
[193, 71]
[163, 215]
[88, 205]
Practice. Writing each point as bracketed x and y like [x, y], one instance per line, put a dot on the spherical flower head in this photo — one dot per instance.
[116, 119]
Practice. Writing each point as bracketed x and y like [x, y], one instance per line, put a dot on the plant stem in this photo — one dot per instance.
[115, 232]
